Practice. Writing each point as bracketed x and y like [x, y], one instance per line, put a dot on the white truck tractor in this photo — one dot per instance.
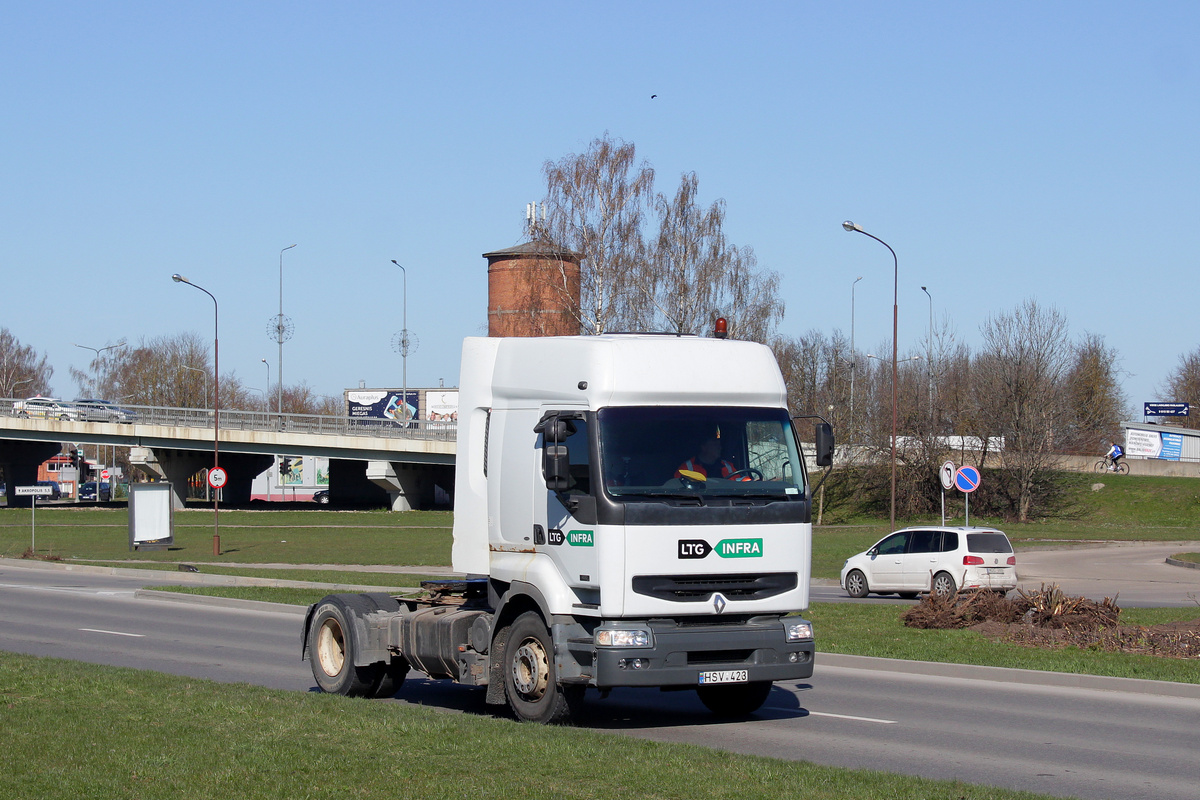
[598, 548]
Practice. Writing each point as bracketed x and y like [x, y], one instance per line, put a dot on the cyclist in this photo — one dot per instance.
[1114, 454]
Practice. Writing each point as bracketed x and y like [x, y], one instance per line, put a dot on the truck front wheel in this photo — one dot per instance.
[530, 680]
[734, 700]
[331, 653]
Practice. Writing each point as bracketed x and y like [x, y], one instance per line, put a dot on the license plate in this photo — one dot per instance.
[994, 570]
[725, 676]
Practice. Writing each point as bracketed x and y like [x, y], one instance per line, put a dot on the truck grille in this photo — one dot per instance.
[693, 588]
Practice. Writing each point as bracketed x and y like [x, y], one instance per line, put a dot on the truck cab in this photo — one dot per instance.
[630, 510]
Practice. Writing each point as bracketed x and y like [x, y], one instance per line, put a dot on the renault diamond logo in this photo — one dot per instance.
[719, 602]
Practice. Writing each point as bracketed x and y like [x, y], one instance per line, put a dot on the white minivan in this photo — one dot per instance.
[932, 559]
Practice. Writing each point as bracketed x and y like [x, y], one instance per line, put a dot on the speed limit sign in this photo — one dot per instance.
[217, 477]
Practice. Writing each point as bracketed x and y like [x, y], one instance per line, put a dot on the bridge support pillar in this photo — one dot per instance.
[175, 466]
[20, 461]
[407, 485]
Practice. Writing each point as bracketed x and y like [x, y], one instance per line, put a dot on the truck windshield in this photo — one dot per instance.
[656, 451]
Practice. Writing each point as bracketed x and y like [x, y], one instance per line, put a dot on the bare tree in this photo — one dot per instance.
[1019, 379]
[693, 274]
[1094, 396]
[596, 202]
[1183, 386]
[22, 371]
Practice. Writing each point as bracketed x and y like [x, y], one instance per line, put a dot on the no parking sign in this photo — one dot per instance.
[966, 479]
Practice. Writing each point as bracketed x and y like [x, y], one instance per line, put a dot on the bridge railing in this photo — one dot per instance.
[234, 420]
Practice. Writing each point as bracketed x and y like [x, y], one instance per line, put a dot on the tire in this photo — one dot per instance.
[1101, 466]
[943, 585]
[1123, 468]
[530, 679]
[331, 650]
[856, 584]
[734, 700]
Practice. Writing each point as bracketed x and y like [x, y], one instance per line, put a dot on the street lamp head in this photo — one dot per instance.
[397, 263]
[179, 278]
[850, 226]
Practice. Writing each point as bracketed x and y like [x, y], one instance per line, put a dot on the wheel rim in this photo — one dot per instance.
[331, 647]
[854, 583]
[941, 586]
[531, 670]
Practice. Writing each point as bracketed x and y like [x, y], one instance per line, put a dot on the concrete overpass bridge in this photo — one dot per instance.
[371, 460]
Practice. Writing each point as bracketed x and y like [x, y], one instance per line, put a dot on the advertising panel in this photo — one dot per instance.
[1144, 444]
[441, 406]
[383, 404]
[1154, 444]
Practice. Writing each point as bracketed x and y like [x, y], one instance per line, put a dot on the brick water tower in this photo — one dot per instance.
[533, 290]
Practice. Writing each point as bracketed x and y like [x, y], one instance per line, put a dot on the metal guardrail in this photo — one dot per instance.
[234, 420]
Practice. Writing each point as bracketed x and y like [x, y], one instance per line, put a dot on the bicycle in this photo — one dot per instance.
[1105, 465]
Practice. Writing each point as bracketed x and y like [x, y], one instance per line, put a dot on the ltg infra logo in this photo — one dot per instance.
[726, 548]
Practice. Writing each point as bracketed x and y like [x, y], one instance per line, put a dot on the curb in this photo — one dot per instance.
[1174, 562]
[1010, 675]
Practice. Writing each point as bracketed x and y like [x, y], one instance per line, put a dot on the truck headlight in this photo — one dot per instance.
[636, 637]
[798, 631]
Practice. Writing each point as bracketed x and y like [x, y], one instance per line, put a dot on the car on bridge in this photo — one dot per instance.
[46, 408]
[103, 411]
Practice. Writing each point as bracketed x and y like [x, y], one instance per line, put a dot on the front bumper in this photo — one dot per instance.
[681, 652]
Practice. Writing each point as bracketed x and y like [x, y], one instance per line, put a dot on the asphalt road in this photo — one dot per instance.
[1100, 738]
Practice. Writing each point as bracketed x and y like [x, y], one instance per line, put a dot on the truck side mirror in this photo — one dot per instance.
[824, 437]
[556, 464]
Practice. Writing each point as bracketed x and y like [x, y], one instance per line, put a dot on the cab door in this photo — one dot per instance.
[570, 544]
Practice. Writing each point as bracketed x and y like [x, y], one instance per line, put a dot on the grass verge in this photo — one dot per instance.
[79, 730]
[875, 629]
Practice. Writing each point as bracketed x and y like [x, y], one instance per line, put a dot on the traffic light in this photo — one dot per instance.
[283, 466]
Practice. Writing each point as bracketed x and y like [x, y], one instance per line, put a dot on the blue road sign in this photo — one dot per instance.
[1165, 409]
[966, 479]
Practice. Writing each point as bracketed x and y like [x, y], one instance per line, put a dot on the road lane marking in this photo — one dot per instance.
[853, 719]
[114, 633]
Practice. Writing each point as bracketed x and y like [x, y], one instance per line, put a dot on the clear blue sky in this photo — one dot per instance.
[1006, 151]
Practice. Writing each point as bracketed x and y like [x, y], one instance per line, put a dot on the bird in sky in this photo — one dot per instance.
[653, 96]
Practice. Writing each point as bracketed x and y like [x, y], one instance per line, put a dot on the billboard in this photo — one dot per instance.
[1153, 444]
[382, 404]
[441, 406]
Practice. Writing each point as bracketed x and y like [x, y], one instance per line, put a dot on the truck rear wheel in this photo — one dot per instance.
[734, 700]
[331, 652]
[530, 679]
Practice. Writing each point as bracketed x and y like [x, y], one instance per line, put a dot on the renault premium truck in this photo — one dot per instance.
[598, 548]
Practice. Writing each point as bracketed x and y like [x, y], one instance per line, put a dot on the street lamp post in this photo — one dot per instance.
[850, 226]
[98, 351]
[929, 358]
[281, 329]
[404, 339]
[18, 383]
[216, 408]
[853, 353]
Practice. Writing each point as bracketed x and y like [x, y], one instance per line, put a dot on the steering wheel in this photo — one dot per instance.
[748, 474]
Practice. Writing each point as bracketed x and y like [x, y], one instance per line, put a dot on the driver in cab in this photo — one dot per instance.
[709, 463]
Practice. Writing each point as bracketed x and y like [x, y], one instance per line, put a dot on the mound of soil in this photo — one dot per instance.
[1050, 618]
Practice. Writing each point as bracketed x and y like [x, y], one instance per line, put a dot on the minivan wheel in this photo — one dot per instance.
[944, 585]
[856, 584]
